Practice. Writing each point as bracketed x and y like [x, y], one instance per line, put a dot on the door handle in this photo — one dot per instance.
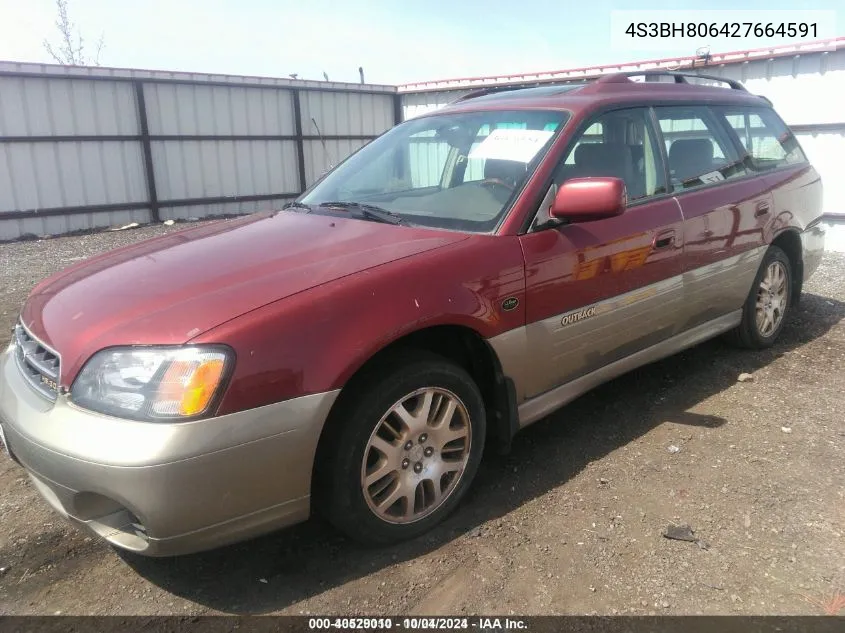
[665, 239]
[762, 208]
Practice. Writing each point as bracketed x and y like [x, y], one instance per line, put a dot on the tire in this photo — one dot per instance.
[760, 333]
[356, 495]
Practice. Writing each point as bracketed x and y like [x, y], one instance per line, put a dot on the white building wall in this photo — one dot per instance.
[808, 91]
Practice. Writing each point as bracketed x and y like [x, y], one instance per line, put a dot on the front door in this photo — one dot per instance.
[599, 291]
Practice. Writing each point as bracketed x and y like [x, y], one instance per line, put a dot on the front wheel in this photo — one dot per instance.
[768, 303]
[404, 451]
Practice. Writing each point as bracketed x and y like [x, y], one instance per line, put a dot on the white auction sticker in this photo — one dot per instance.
[510, 144]
[712, 176]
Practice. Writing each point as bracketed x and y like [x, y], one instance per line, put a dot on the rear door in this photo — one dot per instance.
[599, 291]
[772, 151]
[725, 205]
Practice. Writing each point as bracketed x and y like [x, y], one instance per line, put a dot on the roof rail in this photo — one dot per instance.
[680, 77]
[615, 78]
[493, 89]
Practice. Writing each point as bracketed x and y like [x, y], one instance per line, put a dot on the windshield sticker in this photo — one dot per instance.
[518, 145]
[712, 176]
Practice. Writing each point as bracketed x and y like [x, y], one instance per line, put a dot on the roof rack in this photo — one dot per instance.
[679, 77]
[493, 89]
[481, 92]
[615, 78]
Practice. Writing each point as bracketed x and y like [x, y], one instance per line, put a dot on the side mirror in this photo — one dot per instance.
[585, 199]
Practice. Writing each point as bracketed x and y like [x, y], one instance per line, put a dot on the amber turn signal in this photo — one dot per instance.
[191, 383]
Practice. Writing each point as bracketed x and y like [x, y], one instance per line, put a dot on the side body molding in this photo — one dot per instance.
[553, 361]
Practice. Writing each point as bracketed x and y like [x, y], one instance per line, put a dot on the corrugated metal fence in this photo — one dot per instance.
[82, 148]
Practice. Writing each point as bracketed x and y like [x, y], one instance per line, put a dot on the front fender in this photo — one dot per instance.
[315, 341]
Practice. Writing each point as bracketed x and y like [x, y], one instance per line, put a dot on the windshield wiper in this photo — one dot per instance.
[368, 211]
[298, 205]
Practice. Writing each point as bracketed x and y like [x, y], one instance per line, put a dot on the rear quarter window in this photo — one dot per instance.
[767, 141]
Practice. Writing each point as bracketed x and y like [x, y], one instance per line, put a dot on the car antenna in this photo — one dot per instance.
[323, 142]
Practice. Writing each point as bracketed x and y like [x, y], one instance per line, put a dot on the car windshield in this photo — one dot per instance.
[456, 171]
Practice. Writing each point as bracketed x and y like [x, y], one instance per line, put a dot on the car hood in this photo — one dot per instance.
[170, 289]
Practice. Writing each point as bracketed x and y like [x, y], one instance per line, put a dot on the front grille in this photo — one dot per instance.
[37, 362]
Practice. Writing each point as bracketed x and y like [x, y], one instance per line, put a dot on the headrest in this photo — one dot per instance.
[509, 171]
[691, 151]
[602, 156]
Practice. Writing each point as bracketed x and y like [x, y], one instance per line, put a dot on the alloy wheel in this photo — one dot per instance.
[416, 455]
[772, 299]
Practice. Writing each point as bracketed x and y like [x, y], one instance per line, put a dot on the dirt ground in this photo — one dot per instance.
[570, 522]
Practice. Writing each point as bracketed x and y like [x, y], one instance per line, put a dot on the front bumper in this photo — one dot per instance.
[162, 489]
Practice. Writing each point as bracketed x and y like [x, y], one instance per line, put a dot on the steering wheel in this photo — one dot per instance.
[493, 182]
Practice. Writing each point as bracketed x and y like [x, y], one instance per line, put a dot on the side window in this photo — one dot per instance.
[592, 134]
[766, 139]
[620, 144]
[700, 151]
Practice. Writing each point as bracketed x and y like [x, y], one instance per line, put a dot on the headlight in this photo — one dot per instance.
[152, 383]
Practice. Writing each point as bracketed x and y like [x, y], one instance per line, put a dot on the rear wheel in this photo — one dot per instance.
[405, 451]
[768, 303]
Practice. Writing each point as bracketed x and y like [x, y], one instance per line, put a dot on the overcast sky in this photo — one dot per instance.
[395, 41]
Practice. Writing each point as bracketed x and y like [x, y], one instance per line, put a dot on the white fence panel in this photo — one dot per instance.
[346, 113]
[197, 110]
[89, 147]
[210, 169]
[31, 106]
[78, 173]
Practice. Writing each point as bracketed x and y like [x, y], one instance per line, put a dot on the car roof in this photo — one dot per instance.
[657, 87]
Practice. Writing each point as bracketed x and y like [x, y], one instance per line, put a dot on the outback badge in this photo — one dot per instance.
[510, 304]
[580, 315]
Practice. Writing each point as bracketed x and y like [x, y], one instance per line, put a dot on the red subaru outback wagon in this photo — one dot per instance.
[452, 282]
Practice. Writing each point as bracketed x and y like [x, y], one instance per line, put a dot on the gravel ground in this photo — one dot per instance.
[570, 522]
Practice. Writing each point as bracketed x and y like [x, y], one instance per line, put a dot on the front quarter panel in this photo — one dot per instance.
[314, 341]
